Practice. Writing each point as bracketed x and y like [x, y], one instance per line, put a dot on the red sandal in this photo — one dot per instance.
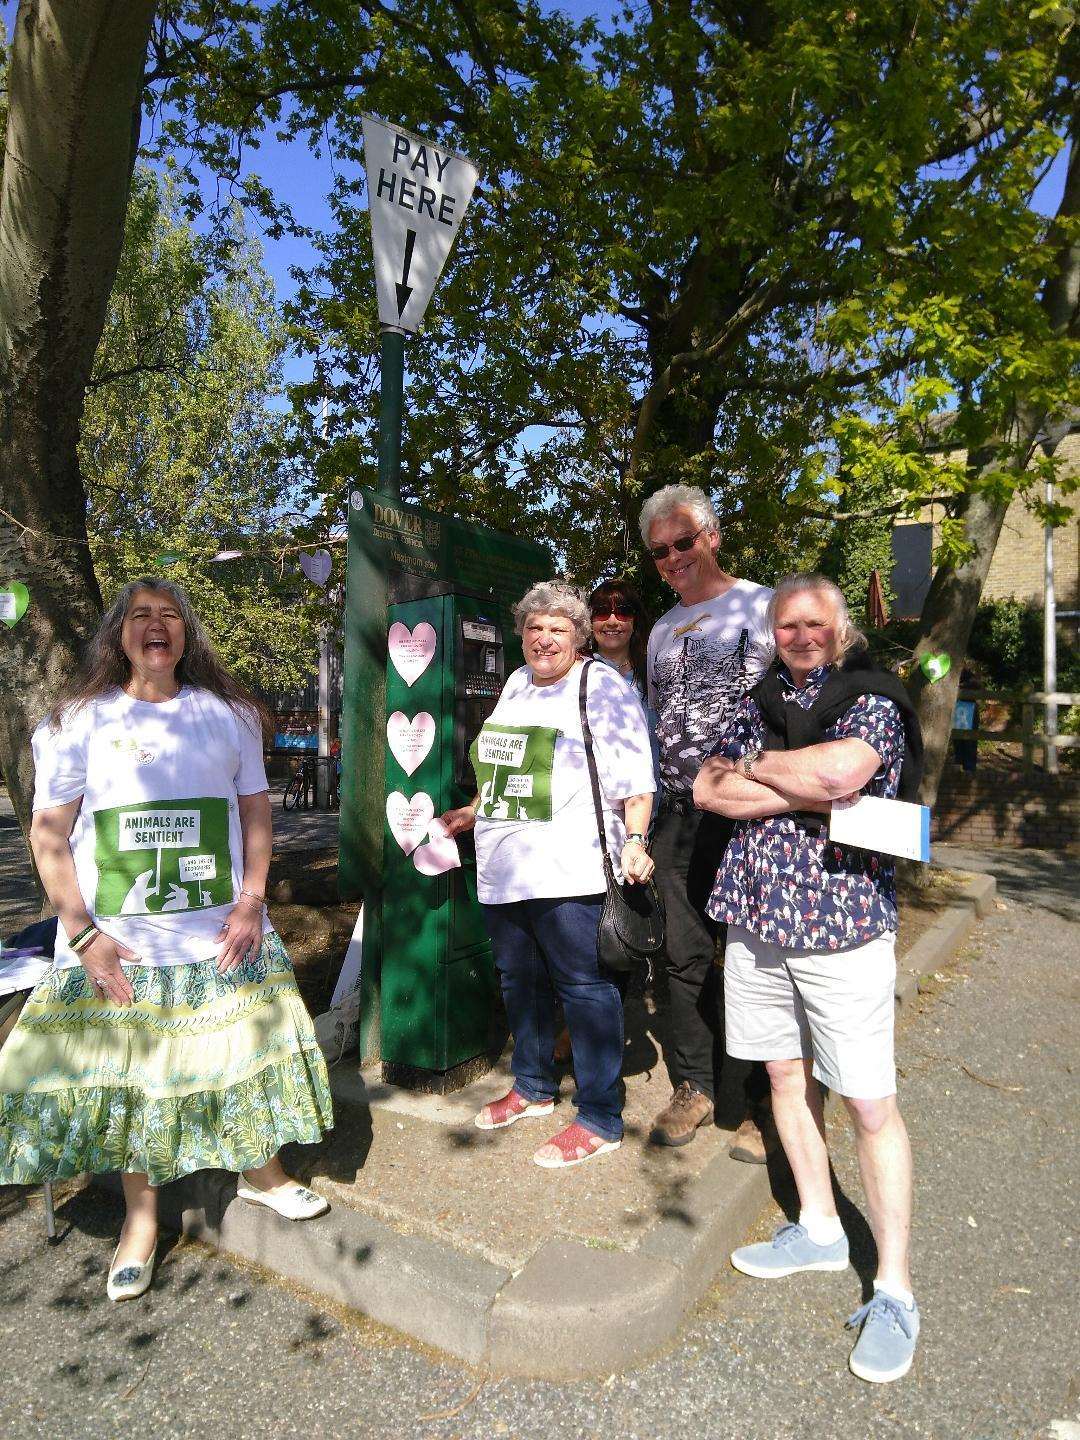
[511, 1107]
[573, 1146]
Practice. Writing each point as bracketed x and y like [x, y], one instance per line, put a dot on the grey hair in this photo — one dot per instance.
[555, 597]
[678, 497]
[848, 638]
[108, 668]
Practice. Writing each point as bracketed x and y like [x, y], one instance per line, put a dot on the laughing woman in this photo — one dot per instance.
[169, 1036]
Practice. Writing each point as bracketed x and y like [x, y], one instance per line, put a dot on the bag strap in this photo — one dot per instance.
[586, 735]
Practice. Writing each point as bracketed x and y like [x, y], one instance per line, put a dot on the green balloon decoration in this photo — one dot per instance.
[935, 667]
[14, 598]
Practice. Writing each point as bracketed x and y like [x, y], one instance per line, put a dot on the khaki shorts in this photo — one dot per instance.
[835, 1006]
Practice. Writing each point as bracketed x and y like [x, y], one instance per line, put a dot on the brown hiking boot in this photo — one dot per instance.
[756, 1138]
[677, 1122]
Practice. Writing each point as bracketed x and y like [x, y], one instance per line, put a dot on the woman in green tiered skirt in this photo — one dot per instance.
[169, 1035]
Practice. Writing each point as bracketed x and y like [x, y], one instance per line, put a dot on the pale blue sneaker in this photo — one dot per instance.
[886, 1346]
[789, 1251]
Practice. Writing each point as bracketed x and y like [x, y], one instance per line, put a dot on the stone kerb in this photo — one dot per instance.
[572, 1310]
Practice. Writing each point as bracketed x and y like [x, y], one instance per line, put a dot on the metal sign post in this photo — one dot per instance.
[417, 197]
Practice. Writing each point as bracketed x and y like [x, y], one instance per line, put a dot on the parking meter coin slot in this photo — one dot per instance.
[479, 673]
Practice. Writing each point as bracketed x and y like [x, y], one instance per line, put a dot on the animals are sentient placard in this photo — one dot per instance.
[417, 197]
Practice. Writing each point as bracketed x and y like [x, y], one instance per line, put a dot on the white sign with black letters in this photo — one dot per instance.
[417, 197]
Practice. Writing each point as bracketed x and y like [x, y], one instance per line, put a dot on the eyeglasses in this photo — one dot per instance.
[684, 543]
[603, 608]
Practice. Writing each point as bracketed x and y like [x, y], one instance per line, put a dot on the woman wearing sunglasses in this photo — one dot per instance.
[620, 631]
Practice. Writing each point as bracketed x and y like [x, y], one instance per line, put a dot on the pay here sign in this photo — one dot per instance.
[417, 197]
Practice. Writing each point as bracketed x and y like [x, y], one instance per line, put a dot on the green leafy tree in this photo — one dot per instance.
[861, 544]
[758, 247]
[182, 450]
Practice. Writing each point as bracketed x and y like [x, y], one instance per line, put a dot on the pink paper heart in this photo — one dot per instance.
[439, 854]
[410, 741]
[411, 651]
[409, 819]
[316, 566]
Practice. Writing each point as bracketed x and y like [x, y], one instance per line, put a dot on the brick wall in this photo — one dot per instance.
[995, 807]
[1017, 567]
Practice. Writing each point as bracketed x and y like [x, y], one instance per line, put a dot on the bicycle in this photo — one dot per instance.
[300, 791]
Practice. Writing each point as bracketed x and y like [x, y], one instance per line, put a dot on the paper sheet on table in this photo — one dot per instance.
[896, 827]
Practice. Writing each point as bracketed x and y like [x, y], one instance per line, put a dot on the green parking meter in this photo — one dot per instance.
[429, 642]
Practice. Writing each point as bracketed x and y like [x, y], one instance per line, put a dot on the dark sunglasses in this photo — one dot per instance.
[684, 543]
[603, 608]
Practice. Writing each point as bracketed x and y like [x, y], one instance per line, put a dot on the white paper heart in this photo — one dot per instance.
[409, 819]
[410, 741]
[439, 854]
[316, 566]
[411, 651]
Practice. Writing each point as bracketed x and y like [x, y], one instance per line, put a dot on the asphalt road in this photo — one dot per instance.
[990, 1070]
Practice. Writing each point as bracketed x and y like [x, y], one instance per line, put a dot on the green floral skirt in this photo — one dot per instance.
[203, 1071]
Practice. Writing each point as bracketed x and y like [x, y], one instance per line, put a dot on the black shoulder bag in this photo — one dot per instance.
[631, 928]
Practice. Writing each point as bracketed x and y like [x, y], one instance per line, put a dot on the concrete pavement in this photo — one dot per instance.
[990, 1095]
[1047, 878]
[457, 1238]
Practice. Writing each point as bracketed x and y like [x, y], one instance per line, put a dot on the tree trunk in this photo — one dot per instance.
[949, 610]
[948, 614]
[75, 83]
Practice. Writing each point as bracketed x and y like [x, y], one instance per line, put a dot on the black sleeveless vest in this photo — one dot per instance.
[790, 727]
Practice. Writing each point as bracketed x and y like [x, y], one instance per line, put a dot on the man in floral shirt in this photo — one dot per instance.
[781, 877]
[810, 969]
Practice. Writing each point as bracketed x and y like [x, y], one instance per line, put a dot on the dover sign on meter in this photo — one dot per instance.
[417, 197]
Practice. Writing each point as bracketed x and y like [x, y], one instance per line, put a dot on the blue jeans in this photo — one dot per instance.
[545, 948]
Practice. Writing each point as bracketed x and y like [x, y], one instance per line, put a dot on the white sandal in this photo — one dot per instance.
[296, 1202]
[132, 1279]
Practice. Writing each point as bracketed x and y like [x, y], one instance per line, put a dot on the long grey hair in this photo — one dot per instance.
[108, 668]
[848, 639]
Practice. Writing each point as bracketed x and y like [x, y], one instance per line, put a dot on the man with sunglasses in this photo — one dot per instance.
[703, 656]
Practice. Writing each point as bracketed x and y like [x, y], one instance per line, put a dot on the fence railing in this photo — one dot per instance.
[1028, 737]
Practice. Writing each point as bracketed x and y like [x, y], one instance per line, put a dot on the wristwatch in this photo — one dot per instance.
[638, 839]
[748, 761]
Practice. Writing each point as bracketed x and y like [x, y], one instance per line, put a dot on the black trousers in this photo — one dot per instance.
[688, 848]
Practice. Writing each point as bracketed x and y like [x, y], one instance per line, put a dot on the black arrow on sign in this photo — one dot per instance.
[404, 290]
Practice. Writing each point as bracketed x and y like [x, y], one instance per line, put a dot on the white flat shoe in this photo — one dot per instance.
[130, 1280]
[296, 1202]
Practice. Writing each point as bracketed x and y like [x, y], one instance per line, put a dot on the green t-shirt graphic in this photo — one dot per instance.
[163, 856]
[513, 766]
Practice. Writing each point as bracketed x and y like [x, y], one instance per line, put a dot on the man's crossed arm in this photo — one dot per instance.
[807, 779]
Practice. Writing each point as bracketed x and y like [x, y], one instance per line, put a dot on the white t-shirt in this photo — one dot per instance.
[549, 858]
[157, 844]
[702, 660]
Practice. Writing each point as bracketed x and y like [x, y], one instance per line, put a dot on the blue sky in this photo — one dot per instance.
[303, 180]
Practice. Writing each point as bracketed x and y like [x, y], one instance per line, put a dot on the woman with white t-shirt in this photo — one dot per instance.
[540, 877]
[169, 1035]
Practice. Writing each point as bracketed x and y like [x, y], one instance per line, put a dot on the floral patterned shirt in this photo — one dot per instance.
[794, 887]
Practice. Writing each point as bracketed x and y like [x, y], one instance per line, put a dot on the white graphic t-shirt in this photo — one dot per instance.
[157, 844]
[702, 661]
[536, 835]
